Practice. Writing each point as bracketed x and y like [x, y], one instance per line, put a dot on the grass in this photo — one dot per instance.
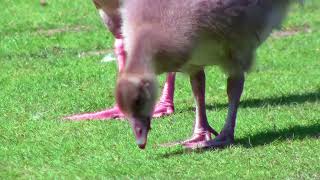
[44, 77]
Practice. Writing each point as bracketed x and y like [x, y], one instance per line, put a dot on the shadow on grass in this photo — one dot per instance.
[283, 100]
[272, 101]
[264, 138]
[293, 133]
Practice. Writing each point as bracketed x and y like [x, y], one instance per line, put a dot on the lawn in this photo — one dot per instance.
[50, 66]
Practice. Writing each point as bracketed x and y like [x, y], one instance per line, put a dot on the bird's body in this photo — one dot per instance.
[211, 32]
[188, 35]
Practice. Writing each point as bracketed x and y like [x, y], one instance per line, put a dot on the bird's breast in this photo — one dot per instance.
[206, 52]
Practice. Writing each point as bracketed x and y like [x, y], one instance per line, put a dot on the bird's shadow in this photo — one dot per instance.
[287, 134]
[263, 138]
[271, 101]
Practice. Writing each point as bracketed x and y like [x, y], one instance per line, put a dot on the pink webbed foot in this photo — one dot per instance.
[113, 113]
[199, 136]
[163, 109]
[221, 141]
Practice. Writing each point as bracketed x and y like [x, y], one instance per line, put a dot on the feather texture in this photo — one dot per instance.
[178, 27]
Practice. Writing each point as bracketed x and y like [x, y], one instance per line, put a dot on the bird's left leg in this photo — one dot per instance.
[226, 136]
[202, 130]
[165, 105]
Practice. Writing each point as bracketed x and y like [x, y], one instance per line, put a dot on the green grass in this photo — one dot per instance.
[43, 78]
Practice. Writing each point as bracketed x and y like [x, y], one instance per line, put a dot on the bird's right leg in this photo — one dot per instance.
[202, 130]
[165, 105]
[226, 136]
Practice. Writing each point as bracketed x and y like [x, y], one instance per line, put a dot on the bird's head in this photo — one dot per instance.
[136, 96]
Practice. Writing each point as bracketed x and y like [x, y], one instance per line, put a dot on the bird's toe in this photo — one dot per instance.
[163, 110]
[113, 113]
[220, 141]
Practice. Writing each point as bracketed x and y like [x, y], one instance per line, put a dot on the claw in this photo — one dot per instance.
[115, 113]
[198, 137]
[163, 110]
[220, 141]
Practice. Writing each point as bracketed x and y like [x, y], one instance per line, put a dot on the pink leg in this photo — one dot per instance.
[226, 136]
[202, 130]
[120, 53]
[164, 107]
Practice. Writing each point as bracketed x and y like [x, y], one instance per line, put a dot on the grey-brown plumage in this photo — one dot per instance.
[187, 35]
[110, 15]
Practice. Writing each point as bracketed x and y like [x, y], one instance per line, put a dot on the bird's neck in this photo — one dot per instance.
[140, 52]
